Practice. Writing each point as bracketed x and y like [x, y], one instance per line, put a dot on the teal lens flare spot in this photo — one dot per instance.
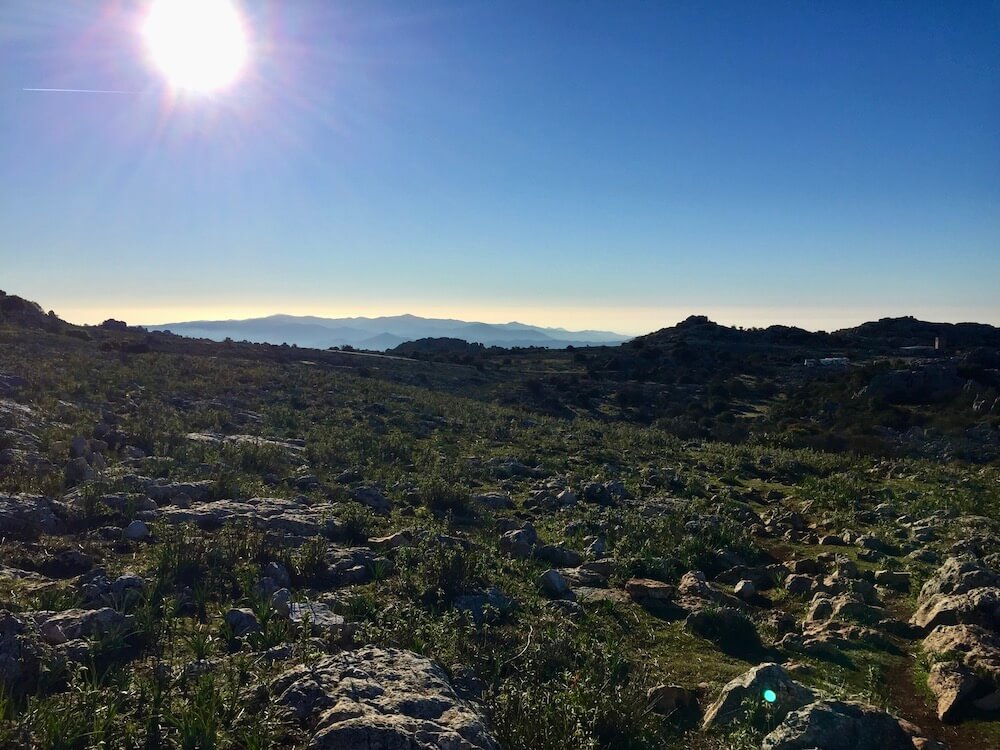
[770, 696]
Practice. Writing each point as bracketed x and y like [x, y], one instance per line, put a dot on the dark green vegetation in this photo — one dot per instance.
[897, 397]
[433, 440]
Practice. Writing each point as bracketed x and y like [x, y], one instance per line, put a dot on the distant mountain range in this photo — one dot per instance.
[379, 334]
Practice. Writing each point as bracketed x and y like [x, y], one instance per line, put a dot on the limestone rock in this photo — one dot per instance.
[280, 515]
[978, 606]
[957, 576]
[553, 584]
[973, 669]
[519, 542]
[374, 698]
[559, 556]
[838, 725]
[137, 531]
[953, 685]
[242, 621]
[278, 573]
[163, 492]
[741, 693]
[26, 516]
[321, 619]
[372, 497]
[895, 579]
[647, 589]
[488, 606]
[83, 623]
[23, 654]
[745, 590]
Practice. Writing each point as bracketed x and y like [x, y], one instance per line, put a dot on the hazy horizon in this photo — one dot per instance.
[611, 166]
[629, 322]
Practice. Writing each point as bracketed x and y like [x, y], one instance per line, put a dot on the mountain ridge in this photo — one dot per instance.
[384, 332]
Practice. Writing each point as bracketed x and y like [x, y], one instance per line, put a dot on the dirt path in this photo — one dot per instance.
[913, 706]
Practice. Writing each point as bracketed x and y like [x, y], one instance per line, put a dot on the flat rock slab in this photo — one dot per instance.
[270, 513]
[380, 699]
[319, 616]
[293, 446]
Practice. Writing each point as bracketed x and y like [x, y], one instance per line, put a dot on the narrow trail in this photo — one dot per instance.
[909, 703]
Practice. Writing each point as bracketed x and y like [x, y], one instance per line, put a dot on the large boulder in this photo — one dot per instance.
[81, 623]
[380, 699]
[972, 668]
[838, 725]
[980, 606]
[953, 685]
[958, 575]
[962, 591]
[742, 694]
[26, 516]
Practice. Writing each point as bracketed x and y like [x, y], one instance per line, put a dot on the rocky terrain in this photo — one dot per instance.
[237, 546]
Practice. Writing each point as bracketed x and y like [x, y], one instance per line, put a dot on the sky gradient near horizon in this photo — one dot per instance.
[606, 165]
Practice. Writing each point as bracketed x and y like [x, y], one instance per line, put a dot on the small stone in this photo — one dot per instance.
[137, 531]
[566, 498]
[242, 621]
[281, 601]
[279, 573]
[745, 590]
[553, 584]
[645, 589]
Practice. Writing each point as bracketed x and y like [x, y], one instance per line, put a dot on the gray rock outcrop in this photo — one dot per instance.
[381, 699]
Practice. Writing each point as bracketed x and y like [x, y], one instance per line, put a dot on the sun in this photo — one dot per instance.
[198, 45]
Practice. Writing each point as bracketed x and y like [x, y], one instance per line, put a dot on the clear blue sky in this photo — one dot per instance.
[612, 165]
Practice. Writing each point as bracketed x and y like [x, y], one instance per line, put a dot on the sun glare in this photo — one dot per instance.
[198, 45]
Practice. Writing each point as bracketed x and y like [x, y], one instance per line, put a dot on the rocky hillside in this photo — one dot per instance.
[239, 546]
